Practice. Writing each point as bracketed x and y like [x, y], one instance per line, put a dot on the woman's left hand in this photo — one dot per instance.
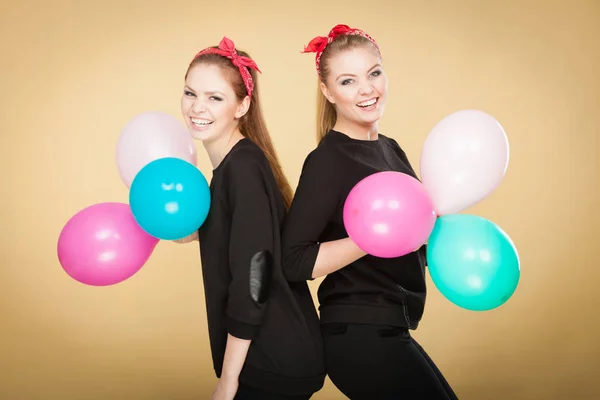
[225, 389]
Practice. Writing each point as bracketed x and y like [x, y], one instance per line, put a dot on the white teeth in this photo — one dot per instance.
[367, 103]
[201, 122]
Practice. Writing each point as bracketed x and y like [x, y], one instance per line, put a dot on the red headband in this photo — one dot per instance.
[227, 49]
[318, 44]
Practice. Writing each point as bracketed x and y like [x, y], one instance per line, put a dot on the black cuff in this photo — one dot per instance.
[308, 264]
[241, 330]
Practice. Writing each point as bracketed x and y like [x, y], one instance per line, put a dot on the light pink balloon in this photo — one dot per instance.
[389, 214]
[103, 244]
[463, 160]
[150, 136]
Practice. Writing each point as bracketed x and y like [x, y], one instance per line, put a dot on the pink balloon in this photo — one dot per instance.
[102, 245]
[148, 137]
[389, 214]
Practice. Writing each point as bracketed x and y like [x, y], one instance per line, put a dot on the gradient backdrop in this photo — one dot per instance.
[75, 72]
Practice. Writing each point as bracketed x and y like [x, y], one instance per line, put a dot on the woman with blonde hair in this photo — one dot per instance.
[367, 304]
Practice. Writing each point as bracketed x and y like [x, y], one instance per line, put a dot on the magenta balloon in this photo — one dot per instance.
[103, 244]
[389, 214]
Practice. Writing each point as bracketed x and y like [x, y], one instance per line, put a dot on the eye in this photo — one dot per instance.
[188, 93]
[376, 73]
[346, 82]
[216, 98]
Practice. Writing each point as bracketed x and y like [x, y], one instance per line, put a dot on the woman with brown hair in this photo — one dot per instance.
[264, 332]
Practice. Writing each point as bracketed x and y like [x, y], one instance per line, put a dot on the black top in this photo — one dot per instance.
[371, 290]
[246, 292]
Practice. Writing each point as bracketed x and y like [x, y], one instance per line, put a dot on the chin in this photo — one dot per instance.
[371, 121]
[202, 136]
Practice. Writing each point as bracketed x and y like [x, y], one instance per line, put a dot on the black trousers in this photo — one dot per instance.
[377, 362]
[249, 393]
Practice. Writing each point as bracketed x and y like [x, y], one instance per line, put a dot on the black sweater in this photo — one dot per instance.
[370, 290]
[246, 292]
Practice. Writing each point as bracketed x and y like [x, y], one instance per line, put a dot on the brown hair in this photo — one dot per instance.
[326, 114]
[252, 125]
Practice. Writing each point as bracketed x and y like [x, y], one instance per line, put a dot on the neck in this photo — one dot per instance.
[356, 131]
[218, 148]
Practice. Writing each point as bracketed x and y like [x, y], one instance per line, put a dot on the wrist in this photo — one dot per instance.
[360, 252]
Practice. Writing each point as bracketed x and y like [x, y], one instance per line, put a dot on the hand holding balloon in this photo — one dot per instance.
[109, 242]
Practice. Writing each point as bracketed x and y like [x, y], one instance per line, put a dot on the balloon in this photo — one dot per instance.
[148, 137]
[389, 214]
[472, 262]
[102, 245]
[170, 198]
[463, 160]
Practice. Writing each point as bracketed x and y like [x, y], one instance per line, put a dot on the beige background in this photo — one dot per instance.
[74, 73]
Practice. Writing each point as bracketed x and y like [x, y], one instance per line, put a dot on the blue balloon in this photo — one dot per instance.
[169, 198]
[472, 262]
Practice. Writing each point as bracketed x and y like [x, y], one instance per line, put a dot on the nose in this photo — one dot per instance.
[366, 88]
[198, 107]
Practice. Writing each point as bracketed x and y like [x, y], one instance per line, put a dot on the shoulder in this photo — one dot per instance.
[327, 155]
[245, 159]
[391, 143]
[245, 169]
[246, 152]
[388, 141]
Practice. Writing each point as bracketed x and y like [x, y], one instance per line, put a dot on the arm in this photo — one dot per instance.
[317, 197]
[235, 355]
[250, 258]
[336, 255]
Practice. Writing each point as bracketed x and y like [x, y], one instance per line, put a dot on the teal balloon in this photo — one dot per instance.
[169, 198]
[472, 262]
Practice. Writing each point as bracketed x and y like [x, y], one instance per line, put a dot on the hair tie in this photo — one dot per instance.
[227, 49]
[318, 44]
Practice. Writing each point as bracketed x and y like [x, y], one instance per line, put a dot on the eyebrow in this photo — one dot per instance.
[209, 93]
[352, 75]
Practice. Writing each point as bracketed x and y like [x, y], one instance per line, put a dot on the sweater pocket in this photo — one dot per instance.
[404, 307]
[413, 305]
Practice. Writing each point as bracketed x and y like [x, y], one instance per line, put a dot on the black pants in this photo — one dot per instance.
[249, 393]
[377, 362]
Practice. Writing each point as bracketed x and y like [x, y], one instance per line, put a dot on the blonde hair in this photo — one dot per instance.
[252, 125]
[326, 114]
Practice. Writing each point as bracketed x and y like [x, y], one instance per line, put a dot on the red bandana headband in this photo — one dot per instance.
[227, 49]
[318, 44]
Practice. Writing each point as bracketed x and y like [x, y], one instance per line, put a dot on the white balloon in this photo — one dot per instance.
[464, 159]
[150, 136]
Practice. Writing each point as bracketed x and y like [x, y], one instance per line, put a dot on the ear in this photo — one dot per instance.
[326, 93]
[242, 109]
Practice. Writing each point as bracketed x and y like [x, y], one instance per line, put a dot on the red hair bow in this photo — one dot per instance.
[318, 44]
[227, 49]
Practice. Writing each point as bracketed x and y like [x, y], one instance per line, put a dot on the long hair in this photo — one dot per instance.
[252, 125]
[326, 114]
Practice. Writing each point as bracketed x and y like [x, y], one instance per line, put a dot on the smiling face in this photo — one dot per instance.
[209, 104]
[356, 84]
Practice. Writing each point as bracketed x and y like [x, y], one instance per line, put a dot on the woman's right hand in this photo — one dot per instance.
[188, 239]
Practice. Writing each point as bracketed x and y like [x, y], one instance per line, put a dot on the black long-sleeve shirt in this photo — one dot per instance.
[371, 290]
[246, 292]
